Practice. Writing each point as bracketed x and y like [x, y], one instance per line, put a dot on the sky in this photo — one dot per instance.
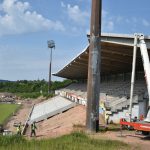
[27, 25]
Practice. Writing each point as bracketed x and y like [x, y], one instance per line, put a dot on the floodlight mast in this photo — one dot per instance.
[93, 87]
[51, 45]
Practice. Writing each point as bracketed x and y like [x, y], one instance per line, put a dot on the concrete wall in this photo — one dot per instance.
[115, 118]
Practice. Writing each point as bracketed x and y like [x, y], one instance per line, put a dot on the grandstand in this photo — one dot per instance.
[116, 67]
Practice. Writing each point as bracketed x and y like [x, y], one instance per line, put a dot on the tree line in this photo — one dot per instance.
[36, 87]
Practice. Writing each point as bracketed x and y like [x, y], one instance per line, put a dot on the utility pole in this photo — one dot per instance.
[93, 87]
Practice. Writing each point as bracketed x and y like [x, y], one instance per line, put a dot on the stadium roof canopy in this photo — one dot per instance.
[116, 57]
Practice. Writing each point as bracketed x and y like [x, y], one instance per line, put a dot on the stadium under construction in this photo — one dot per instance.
[116, 68]
[115, 86]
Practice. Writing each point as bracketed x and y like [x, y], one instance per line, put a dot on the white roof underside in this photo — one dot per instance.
[116, 57]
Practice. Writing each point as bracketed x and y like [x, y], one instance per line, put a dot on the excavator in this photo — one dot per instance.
[142, 125]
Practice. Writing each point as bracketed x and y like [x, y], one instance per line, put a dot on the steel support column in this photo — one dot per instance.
[93, 87]
[146, 65]
[133, 74]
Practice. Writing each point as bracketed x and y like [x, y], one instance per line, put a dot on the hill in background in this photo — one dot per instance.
[3, 80]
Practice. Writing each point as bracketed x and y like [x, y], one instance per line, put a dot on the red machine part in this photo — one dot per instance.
[140, 126]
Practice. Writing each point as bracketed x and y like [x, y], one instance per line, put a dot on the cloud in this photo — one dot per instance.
[76, 14]
[145, 23]
[108, 21]
[104, 13]
[62, 4]
[110, 25]
[16, 17]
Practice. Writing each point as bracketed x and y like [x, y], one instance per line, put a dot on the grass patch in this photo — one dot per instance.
[78, 126]
[29, 95]
[34, 95]
[6, 110]
[74, 141]
[114, 127]
[110, 127]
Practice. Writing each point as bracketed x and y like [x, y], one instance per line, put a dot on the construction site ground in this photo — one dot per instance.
[70, 120]
[22, 114]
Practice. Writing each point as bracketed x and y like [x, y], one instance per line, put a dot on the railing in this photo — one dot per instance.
[26, 123]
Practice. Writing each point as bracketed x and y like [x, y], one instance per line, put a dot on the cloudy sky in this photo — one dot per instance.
[26, 25]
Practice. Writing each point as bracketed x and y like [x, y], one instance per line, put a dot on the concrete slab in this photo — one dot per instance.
[50, 108]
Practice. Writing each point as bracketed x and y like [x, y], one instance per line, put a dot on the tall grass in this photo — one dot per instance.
[74, 141]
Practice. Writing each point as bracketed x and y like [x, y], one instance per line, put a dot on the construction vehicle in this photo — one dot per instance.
[141, 125]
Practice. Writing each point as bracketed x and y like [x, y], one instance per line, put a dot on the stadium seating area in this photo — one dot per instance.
[115, 95]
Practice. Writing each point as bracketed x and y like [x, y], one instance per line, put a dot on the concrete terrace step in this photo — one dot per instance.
[50, 108]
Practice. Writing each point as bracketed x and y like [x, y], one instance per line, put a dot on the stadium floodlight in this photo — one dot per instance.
[51, 45]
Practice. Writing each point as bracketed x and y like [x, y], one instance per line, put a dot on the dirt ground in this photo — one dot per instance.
[21, 115]
[137, 142]
[61, 124]
[68, 121]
